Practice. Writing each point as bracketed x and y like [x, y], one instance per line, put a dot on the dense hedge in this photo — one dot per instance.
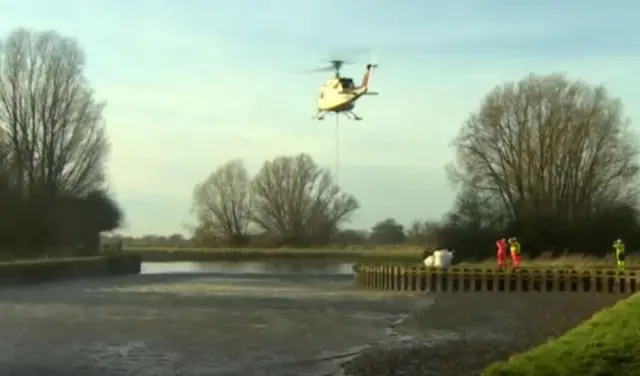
[37, 271]
[606, 344]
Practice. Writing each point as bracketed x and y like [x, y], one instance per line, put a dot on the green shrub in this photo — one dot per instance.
[606, 344]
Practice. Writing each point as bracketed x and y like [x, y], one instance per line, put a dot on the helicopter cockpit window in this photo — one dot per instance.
[346, 83]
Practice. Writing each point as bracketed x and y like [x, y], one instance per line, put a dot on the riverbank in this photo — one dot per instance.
[372, 254]
[490, 327]
[606, 344]
[29, 271]
[568, 261]
[159, 254]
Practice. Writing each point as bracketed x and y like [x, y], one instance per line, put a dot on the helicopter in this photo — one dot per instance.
[339, 94]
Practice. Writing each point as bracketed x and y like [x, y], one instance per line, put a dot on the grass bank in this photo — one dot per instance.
[606, 344]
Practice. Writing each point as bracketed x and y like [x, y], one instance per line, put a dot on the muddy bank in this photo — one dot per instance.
[193, 325]
[293, 325]
[481, 328]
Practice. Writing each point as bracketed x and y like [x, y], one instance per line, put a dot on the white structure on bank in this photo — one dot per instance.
[441, 258]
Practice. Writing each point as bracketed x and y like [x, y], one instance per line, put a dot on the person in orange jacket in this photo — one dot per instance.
[501, 252]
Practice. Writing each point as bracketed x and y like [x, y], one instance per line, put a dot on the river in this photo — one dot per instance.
[195, 319]
[301, 267]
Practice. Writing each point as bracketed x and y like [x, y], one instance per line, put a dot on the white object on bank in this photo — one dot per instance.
[441, 258]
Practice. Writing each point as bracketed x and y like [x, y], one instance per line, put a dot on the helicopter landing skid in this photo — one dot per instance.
[349, 114]
[320, 115]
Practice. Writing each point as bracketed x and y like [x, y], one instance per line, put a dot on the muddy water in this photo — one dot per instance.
[307, 267]
[200, 319]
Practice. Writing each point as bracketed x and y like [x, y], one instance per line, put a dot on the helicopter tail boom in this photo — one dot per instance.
[367, 75]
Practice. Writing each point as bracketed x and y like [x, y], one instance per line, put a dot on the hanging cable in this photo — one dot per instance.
[337, 130]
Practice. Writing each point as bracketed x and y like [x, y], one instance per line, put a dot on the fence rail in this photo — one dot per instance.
[391, 277]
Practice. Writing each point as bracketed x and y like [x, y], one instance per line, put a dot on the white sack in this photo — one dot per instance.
[440, 259]
[429, 261]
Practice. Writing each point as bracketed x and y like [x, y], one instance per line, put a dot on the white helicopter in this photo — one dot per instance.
[339, 94]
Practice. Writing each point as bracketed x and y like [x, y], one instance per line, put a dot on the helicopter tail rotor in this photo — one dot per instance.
[373, 62]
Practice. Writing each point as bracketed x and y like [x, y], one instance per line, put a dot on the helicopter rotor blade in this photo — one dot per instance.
[351, 53]
[319, 70]
[324, 69]
[334, 62]
[335, 65]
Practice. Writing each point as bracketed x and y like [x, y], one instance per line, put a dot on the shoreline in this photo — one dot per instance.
[490, 327]
[390, 337]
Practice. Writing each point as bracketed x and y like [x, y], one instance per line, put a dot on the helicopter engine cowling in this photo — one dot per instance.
[334, 96]
[336, 103]
[330, 99]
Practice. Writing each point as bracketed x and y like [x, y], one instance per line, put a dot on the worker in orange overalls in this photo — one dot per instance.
[514, 252]
[501, 255]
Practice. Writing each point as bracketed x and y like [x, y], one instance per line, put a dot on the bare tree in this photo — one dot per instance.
[223, 202]
[52, 146]
[297, 201]
[546, 158]
[50, 123]
[424, 233]
[549, 147]
[476, 209]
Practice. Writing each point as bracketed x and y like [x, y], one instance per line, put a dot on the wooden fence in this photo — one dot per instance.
[389, 277]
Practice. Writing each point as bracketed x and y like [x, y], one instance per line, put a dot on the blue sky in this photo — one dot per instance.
[191, 84]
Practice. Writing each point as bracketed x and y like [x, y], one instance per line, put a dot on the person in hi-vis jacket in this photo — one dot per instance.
[514, 252]
[618, 245]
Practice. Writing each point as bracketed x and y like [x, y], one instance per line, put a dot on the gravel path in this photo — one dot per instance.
[487, 327]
